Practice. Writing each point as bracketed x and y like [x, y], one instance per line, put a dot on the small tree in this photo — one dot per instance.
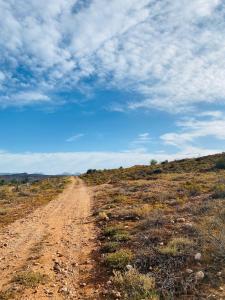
[153, 162]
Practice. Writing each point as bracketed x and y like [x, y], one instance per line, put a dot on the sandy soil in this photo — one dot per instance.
[57, 240]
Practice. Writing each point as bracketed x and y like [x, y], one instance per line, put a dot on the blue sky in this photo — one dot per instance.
[99, 84]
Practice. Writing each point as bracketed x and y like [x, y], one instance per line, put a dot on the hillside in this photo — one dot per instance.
[162, 229]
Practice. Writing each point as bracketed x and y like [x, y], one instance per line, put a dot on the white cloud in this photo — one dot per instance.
[190, 130]
[74, 137]
[170, 52]
[56, 163]
[24, 98]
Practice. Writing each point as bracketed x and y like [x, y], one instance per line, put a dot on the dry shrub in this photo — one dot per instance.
[135, 286]
[154, 219]
[213, 235]
[177, 246]
[219, 191]
[192, 188]
[30, 279]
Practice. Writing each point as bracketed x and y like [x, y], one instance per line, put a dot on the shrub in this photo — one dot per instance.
[116, 234]
[143, 211]
[120, 199]
[153, 162]
[134, 286]
[110, 247]
[219, 191]
[157, 171]
[177, 246]
[220, 164]
[119, 260]
[102, 216]
[193, 189]
[213, 233]
[30, 279]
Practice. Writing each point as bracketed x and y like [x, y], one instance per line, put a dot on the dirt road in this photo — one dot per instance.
[56, 240]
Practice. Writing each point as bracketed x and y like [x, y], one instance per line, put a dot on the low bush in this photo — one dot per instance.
[193, 188]
[219, 191]
[134, 286]
[110, 247]
[213, 233]
[119, 260]
[177, 246]
[30, 279]
[220, 164]
[116, 234]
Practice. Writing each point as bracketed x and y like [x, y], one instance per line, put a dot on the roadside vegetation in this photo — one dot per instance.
[162, 229]
[17, 199]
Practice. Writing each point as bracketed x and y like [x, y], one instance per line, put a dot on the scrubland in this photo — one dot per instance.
[162, 229]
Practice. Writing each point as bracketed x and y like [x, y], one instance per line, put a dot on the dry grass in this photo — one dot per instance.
[17, 200]
[135, 286]
[30, 279]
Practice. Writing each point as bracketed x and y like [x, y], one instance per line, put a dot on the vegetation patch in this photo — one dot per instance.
[135, 286]
[30, 279]
[119, 260]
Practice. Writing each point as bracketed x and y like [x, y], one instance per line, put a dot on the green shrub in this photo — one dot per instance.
[134, 286]
[110, 247]
[153, 162]
[177, 246]
[116, 234]
[119, 260]
[220, 164]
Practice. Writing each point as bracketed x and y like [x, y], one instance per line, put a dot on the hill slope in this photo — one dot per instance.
[162, 229]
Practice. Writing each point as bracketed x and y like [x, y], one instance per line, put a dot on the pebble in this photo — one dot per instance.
[198, 256]
[189, 271]
[64, 289]
[129, 267]
[199, 275]
[83, 284]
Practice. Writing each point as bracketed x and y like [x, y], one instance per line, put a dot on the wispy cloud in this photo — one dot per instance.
[210, 124]
[75, 137]
[171, 52]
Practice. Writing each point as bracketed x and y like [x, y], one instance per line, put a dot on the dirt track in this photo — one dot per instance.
[56, 240]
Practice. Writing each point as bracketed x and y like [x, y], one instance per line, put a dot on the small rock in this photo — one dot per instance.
[221, 288]
[161, 244]
[219, 274]
[83, 284]
[129, 267]
[189, 271]
[198, 256]
[199, 275]
[64, 290]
